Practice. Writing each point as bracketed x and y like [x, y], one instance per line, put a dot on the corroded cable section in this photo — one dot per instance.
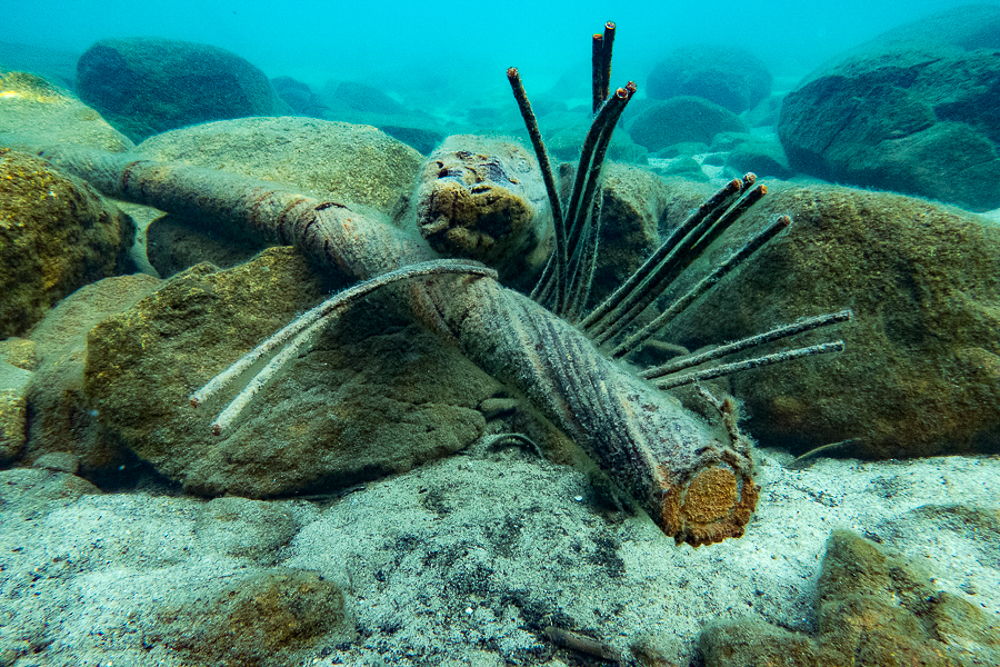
[328, 232]
[559, 287]
[663, 275]
[697, 488]
[559, 255]
[601, 64]
[595, 147]
[598, 94]
[583, 213]
[594, 322]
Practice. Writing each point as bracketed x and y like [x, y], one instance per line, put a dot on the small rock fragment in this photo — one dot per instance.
[264, 619]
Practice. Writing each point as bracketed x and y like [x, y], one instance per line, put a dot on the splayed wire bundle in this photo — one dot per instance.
[565, 284]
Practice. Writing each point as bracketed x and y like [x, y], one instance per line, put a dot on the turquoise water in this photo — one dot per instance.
[469, 45]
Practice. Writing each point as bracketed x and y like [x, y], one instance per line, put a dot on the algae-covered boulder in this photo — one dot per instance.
[374, 394]
[920, 374]
[299, 96]
[633, 200]
[147, 85]
[730, 77]
[56, 235]
[874, 610]
[17, 363]
[55, 64]
[366, 104]
[354, 164]
[763, 156]
[566, 132]
[13, 411]
[35, 113]
[62, 421]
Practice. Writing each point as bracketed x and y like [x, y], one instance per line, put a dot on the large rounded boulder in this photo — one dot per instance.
[682, 119]
[920, 375]
[57, 234]
[374, 395]
[35, 113]
[917, 110]
[730, 77]
[144, 85]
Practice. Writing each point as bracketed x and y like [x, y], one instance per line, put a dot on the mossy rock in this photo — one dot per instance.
[682, 119]
[914, 110]
[348, 163]
[62, 421]
[13, 411]
[632, 202]
[56, 235]
[35, 113]
[728, 76]
[374, 395]
[148, 85]
[920, 374]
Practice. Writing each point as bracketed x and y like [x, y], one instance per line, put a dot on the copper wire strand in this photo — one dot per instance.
[777, 333]
[680, 258]
[676, 238]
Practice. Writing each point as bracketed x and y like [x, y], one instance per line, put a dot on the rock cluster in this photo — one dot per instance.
[874, 609]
